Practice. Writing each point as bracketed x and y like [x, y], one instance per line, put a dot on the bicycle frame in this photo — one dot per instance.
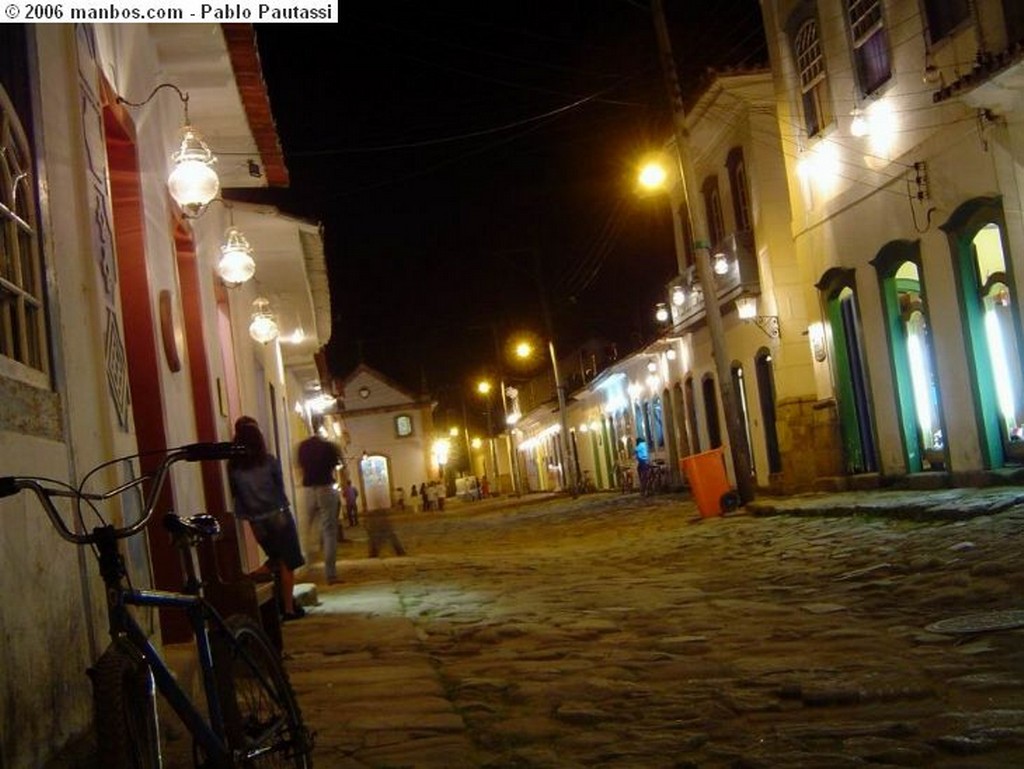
[209, 732]
[210, 735]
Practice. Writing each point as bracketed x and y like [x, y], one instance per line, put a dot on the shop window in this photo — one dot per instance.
[870, 44]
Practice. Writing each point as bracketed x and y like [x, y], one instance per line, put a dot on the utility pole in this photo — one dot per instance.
[568, 474]
[698, 222]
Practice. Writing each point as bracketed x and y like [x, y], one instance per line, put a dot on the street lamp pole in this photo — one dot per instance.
[567, 466]
[712, 311]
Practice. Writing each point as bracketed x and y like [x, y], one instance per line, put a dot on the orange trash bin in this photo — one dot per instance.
[709, 483]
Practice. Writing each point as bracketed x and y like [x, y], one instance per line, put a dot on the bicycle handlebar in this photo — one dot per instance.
[194, 452]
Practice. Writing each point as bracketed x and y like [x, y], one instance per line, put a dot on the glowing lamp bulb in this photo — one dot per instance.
[193, 183]
[236, 264]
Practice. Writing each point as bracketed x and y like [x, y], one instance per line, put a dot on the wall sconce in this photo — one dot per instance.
[678, 296]
[746, 310]
[192, 183]
[661, 313]
[670, 353]
[263, 326]
[816, 338]
[652, 366]
[720, 264]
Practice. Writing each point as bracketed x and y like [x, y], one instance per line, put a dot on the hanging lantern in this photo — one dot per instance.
[678, 296]
[193, 183]
[661, 312]
[263, 327]
[720, 264]
[236, 264]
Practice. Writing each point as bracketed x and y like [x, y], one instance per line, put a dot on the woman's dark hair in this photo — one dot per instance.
[247, 433]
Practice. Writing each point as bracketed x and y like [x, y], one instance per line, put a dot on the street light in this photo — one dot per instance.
[525, 350]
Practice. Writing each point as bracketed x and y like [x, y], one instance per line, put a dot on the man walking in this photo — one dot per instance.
[318, 459]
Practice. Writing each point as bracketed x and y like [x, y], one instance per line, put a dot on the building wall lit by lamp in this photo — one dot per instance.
[263, 326]
[236, 264]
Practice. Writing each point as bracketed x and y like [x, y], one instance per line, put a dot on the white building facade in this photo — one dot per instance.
[901, 130]
[116, 333]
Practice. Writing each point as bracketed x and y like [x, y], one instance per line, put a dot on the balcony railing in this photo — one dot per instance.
[734, 269]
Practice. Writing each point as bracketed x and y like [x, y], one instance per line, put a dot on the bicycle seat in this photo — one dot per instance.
[202, 526]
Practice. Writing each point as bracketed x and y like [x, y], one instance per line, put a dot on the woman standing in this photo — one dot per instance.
[258, 489]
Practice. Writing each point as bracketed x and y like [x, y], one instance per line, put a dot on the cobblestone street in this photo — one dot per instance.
[612, 631]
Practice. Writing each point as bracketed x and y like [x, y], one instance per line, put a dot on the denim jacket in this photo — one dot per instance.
[259, 490]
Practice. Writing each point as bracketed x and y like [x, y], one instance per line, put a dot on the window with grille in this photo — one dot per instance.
[22, 322]
[810, 62]
[870, 44]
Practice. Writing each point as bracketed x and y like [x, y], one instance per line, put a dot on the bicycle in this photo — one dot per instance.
[251, 717]
[653, 479]
[584, 484]
[624, 478]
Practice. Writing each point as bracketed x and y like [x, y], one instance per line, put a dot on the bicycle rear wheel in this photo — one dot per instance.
[124, 711]
[261, 715]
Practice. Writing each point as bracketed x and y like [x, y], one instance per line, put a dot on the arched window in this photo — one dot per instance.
[690, 396]
[713, 210]
[739, 189]
[711, 411]
[657, 424]
[766, 397]
[850, 370]
[990, 314]
[810, 63]
[739, 387]
[22, 317]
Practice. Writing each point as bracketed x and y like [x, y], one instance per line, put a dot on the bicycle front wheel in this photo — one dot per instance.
[261, 717]
[124, 711]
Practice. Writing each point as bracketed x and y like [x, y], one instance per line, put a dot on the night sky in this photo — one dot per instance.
[464, 157]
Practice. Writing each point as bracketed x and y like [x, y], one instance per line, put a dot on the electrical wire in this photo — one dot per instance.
[463, 136]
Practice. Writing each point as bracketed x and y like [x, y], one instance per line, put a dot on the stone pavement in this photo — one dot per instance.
[616, 631]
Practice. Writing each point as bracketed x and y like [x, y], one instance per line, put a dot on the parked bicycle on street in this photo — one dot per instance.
[624, 478]
[654, 479]
[250, 718]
